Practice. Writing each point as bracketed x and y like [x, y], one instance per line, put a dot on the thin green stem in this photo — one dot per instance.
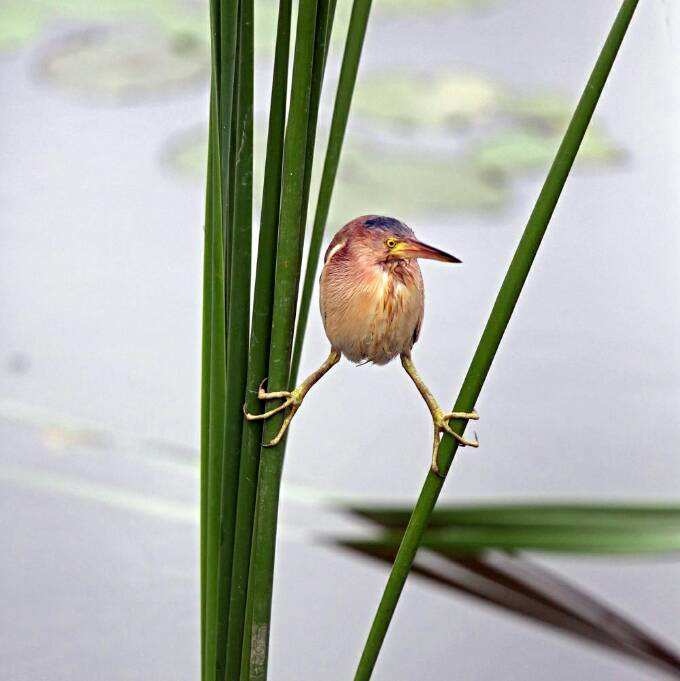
[356, 33]
[213, 403]
[493, 333]
[206, 368]
[216, 403]
[283, 320]
[325, 15]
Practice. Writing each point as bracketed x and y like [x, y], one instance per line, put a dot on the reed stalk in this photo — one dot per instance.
[287, 275]
[219, 237]
[493, 333]
[206, 366]
[258, 359]
[241, 182]
[214, 407]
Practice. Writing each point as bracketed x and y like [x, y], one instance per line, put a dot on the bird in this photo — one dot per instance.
[372, 301]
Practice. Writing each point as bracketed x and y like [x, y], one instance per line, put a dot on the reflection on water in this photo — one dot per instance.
[100, 256]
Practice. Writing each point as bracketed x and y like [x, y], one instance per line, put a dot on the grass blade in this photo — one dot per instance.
[493, 333]
[285, 299]
[356, 33]
[259, 343]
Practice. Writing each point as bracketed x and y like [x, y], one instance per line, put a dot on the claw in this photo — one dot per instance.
[469, 415]
[262, 395]
[459, 438]
[441, 424]
[271, 412]
[292, 400]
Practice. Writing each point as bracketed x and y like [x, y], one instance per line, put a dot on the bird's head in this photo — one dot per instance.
[388, 239]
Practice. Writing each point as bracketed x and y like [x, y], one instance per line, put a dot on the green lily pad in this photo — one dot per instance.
[519, 150]
[447, 100]
[185, 154]
[439, 144]
[124, 62]
[397, 183]
[22, 20]
[377, 180]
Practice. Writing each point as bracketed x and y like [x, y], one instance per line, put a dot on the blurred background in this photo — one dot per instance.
[459, 109]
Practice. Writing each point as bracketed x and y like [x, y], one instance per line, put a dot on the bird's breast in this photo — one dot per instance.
[372, 313]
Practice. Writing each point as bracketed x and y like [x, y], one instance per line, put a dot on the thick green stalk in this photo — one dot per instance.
[258, 359]
[493, 333]
[223, 39]
[343, 99]
[239, 313]
[283, 320]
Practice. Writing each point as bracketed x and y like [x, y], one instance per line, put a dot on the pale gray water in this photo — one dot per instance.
[100, 258]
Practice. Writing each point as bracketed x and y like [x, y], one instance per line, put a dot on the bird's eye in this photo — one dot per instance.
[391, 243]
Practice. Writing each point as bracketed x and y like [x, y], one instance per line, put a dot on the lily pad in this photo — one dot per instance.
[22, 20]
[400, 183]
[125, 62]
[421, 100]
[376, 180]
[185, 154]
[438, 143]
[518, 150]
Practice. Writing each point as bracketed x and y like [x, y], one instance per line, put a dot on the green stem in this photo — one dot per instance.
[285, 299]
[223, 17]
[206, 368]
[325, 15]
[216, 403]
[493, 333]
[239, 313]
[356, 33]
[259, 343]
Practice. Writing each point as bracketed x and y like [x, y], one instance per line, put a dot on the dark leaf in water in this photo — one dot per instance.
[473, 550]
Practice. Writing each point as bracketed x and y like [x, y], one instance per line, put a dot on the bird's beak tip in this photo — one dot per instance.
[420, 250]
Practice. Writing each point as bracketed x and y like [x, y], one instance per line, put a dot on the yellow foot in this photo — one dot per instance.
[441, 425]
[292, 399]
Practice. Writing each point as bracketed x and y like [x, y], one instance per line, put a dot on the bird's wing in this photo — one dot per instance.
[416, 331]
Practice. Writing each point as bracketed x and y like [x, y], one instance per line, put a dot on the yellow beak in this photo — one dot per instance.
[412, 248]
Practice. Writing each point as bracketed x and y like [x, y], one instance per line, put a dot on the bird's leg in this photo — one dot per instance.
[440, 418]
[292, 398]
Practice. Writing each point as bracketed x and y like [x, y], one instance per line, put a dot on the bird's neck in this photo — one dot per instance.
[403, 271]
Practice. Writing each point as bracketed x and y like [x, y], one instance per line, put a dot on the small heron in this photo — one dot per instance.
[372, 304]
